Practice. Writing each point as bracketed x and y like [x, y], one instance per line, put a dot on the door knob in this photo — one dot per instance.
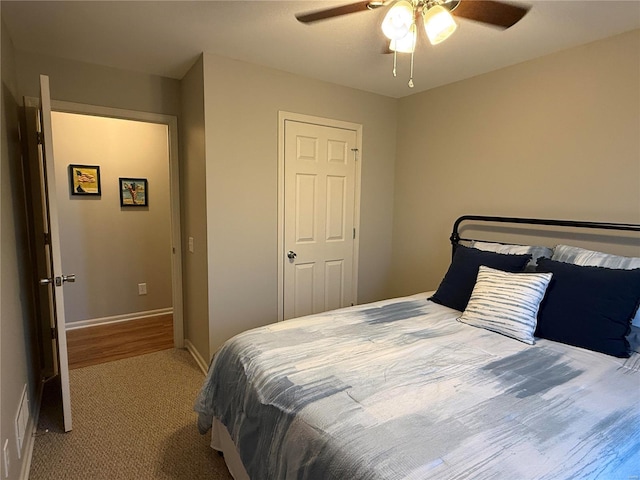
[65, 278]
[58, 280]
[291, 255]
[69, 278]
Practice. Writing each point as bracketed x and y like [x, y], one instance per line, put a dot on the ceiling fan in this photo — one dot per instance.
[399, 24]
[492, 12]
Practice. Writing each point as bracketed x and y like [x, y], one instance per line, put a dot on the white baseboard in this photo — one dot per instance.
[30, 437]
[117, 318]
[196, 356]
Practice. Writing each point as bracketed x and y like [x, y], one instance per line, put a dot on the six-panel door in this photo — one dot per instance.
[319, 218]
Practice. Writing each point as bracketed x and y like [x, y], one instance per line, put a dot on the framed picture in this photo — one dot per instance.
[133, 192]
[84, 179]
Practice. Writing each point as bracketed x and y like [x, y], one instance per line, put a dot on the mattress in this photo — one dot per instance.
[400, 389]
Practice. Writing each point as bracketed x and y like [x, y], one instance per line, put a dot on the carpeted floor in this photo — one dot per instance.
[132, 419]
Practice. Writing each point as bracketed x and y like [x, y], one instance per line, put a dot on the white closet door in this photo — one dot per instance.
[319, 201]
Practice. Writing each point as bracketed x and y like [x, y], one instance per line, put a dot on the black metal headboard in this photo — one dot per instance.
[455, 235]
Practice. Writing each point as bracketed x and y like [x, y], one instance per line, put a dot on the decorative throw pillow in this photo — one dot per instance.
[589, 307]
[536, 252]
[456, 286]
[506, 303]
[582, 256]
[591, 258]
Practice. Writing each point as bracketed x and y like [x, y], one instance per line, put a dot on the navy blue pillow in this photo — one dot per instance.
[456, 286]
[588, 307]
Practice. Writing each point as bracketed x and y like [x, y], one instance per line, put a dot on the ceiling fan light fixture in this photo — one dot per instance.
[439, 24]
[398, 20]
[406, 44]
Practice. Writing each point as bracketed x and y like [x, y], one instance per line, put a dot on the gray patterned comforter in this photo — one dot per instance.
[400, 390]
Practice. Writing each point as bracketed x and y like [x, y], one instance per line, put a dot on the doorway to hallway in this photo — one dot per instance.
[118, 242]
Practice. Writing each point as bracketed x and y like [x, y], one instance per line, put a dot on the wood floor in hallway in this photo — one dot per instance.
[114, 341]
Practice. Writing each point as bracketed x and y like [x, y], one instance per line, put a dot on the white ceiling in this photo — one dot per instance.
[166, 37]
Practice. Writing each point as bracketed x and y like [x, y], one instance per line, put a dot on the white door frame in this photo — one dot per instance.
[283, 116]
[174, 182]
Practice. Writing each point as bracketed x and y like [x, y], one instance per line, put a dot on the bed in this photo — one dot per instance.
[532, 372]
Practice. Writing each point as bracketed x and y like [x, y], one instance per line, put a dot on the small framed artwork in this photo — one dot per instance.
[84, 179]
[133, 192]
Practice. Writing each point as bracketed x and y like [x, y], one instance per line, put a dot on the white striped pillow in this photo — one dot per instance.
[592, 258]
[506, 303]
[536, 252]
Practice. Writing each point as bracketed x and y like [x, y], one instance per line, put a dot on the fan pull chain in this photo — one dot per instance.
[411, 76]
[395, 59]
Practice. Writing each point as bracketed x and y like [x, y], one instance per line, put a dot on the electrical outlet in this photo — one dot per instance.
[5, 452]
[142, 289]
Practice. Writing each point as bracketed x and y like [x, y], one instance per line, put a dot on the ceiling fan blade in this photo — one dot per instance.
[332, 12]
[498, 14]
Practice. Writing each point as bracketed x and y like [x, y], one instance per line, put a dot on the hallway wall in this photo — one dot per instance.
[110, 248]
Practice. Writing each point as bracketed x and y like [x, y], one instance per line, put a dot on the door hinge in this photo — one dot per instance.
[54, 333]
[40, 138]
[47, 239]
[354, 233]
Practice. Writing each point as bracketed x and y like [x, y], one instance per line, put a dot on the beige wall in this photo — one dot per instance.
[556, 137]
[194, 211]
[111, 249]
[19, 361]
[241, 112]
[91, 84]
